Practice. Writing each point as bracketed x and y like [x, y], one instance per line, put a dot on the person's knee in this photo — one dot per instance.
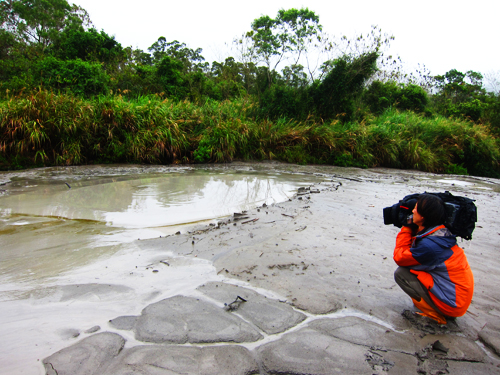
[399, 274]
[405, 279]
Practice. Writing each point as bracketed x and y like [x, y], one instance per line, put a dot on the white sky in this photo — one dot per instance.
[440, 34]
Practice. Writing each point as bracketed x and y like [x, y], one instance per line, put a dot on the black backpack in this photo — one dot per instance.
[461, 213]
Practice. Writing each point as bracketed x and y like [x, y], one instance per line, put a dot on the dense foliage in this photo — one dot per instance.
[70, 94]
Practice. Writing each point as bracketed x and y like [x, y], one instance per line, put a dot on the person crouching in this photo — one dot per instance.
[433, 270]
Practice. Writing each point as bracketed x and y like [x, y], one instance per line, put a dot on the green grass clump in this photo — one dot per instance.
[43, 128]
[409, 141]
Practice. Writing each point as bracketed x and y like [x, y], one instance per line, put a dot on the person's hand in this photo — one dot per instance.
[409, 219]
[412, 226]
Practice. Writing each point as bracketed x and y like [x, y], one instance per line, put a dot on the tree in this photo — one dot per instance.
[7, 41]
[169, 73]
[459, 87]
[294, 76]
[159, 49]
[229, 79]
[38, 22]
[272, 41]
[192, 60]
[298, 29]
[180, 69]
[137, 56]
[336, 94]
[460, 94]
[87, 45]
[358, 45]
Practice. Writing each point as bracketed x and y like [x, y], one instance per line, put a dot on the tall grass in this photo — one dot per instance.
[407, 140]
[43, 128]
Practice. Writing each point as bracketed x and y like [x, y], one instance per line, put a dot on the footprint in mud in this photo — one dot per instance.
[428, 325]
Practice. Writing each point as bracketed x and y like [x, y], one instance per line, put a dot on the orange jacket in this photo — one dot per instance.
[440, 265]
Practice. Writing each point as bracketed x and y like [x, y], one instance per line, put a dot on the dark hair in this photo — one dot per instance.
[432, 209]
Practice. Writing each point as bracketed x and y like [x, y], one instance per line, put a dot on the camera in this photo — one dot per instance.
[461, 213]
[400, 213]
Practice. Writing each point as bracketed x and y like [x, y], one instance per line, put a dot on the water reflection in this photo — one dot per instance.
[47, 227]
[153, 201]
[183, 199]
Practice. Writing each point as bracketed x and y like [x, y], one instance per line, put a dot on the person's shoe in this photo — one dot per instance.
[428, 311]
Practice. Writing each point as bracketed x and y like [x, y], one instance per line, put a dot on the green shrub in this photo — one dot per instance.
[381, 95]
[202, 153]
[471, 110]
[89, 45]
[281, 101]
[44, 128]
[456, 169]
[335, 95]
[76, 76]
[347, 160]
[412, 97]
[169, 74]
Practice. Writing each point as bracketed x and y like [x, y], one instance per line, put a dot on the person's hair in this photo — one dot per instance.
[432, 209]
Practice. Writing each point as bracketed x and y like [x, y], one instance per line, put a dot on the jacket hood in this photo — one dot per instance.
[441, 237]
[433, 247]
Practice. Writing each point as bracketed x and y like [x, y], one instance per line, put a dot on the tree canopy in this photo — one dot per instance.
[52, 44]
[38, 22]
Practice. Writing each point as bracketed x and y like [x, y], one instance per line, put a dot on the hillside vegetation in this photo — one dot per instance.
[70, 94]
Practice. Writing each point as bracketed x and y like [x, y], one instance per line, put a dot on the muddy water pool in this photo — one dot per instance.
[67, 238]
[54, 218]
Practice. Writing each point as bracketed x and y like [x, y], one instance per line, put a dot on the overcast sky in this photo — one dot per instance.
[440, 34]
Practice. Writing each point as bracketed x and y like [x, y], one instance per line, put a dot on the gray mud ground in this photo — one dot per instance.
[307, 288]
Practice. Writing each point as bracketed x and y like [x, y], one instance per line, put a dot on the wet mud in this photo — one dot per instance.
[309, 279]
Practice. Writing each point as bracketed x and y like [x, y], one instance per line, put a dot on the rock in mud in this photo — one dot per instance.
[156, 359]
[87, 357]
[267, 314]
[126, 322]
[310, 352]
[182, 319]
[93, 329]
[361, 332]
